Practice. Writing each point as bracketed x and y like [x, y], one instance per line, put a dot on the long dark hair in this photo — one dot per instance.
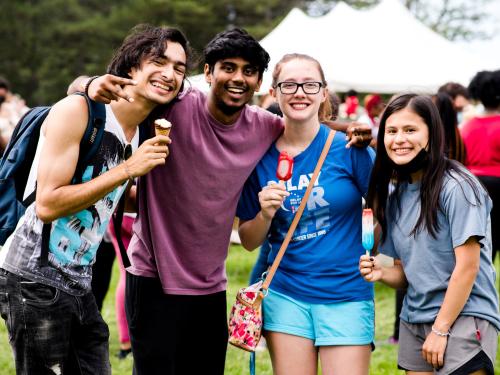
[454, 145]
[433, 175]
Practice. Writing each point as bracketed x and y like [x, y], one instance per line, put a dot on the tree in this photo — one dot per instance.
[47, 43]
[454, 19]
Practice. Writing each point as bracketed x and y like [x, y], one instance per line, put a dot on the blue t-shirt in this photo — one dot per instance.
[321, 262]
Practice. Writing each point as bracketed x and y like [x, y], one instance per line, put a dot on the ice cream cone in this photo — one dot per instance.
[162, 127]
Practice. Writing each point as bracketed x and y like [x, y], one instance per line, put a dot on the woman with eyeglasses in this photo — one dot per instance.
[318, 305]
[436, 225]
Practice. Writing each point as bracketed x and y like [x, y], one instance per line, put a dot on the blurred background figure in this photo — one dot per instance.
[335, 105]
[374, 106]
[460, 98]
[12, 108]
[350, 109]
[102, 269]
[264, 101]
[454, 144]
[275, 108]
[121, 318]
[481, 136]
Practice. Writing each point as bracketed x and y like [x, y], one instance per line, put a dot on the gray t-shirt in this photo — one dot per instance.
[429, 262]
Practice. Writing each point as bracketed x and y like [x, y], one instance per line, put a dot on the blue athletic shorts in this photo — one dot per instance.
[342, 323]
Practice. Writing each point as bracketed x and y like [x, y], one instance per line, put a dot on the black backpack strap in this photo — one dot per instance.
[30, 198]
[92, 137]
[144, 133]
[44, 253]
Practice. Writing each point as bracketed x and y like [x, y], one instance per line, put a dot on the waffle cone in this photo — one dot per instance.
[162, 131]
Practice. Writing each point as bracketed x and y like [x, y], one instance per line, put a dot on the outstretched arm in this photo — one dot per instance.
[358, 134]
[55, 196]
[102, 89]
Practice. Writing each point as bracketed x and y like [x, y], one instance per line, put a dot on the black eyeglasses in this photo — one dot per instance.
[127, 151]
[310, 88]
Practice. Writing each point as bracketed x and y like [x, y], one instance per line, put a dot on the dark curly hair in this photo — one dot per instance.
[485, 87]
[236, 43]
[146, 41]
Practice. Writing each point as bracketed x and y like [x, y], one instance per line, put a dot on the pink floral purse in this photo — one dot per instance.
[245, 320]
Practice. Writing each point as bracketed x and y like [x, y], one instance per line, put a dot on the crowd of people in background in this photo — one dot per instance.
[439, 152]
[12, 108]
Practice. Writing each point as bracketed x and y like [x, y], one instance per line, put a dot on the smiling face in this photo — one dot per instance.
[233, 81]
[406, 134]
[159, 78]
[300, 106]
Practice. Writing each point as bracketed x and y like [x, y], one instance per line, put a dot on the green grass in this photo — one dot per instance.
[239, 264]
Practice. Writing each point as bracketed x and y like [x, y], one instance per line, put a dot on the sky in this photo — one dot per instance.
[489, 50]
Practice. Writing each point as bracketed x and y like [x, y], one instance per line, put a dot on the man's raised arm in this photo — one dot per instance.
[102, 89]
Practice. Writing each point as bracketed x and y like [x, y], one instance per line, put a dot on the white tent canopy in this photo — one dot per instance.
[384, 49]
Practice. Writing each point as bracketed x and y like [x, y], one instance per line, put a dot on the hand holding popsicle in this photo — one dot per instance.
[367, 236]
[272, 196]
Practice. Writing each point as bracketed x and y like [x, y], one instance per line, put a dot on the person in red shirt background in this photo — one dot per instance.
[481, 136]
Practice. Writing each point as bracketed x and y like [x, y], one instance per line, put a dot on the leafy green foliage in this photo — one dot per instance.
[47, 43]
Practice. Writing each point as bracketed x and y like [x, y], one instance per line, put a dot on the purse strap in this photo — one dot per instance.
[298, 214]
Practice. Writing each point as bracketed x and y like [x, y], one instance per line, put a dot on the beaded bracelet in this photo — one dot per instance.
[87, 85]
[439, 333]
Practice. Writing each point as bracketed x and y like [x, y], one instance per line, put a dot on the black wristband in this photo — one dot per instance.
[89, 81]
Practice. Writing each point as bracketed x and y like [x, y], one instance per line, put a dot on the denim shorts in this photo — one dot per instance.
[341, 323]
[52, 332]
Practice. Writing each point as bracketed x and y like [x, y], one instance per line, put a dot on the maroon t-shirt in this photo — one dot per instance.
[187, 206]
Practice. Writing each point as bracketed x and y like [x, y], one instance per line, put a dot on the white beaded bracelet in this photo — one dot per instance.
[439, 333]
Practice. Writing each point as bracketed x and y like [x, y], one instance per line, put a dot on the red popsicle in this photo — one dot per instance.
[285, 166]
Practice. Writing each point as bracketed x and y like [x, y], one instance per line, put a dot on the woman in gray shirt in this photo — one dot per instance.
[436, 225]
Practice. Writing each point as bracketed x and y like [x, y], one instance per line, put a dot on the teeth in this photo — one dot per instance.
[235, 90]
[164, 87]
[299, 106]
[402, 150]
